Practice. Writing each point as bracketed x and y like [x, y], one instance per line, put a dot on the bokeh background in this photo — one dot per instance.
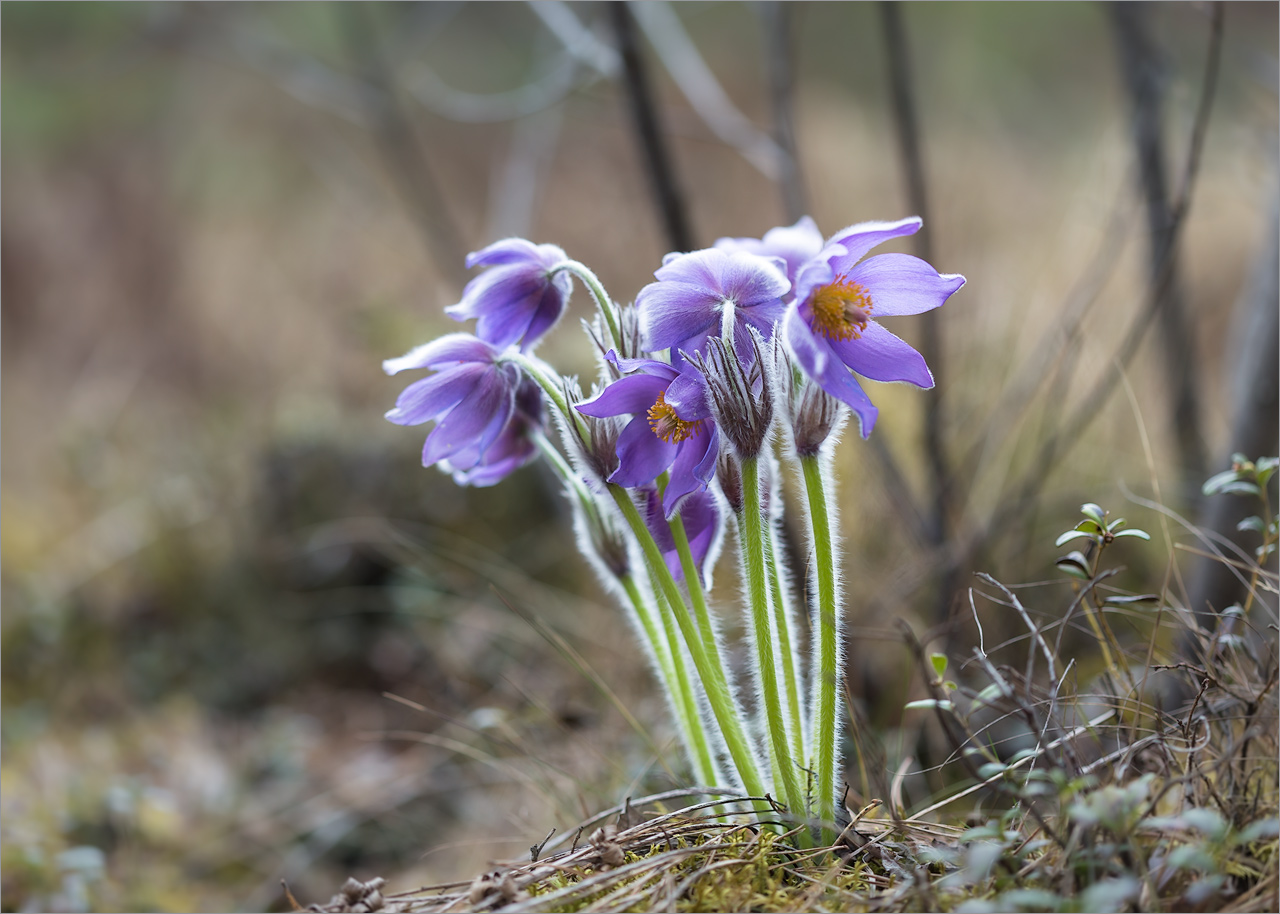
[218, 557]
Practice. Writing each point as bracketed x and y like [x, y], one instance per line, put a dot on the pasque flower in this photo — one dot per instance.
[672, 427]
[519, 297]
[830, 324]
[471, 397]
[513, 448]
[711, 293]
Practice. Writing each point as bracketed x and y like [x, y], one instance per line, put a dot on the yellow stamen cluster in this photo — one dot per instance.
[666, 424]
[841, 310]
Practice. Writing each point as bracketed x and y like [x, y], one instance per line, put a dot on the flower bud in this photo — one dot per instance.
[738, 393]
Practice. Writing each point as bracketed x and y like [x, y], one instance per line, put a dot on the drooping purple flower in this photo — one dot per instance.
[517, 299]
[830, 324]
[513, 448]
[793, 244]
[471, 397]
[672, 427]
[702, 525]
[711, 293]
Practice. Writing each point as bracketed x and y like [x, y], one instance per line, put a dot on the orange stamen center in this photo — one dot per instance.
[666, 424]
[841, 310]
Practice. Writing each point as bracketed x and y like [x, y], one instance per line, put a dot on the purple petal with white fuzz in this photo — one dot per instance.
[518, 298]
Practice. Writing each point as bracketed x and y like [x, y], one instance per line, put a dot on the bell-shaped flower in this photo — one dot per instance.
[471, 397]
[830, 324]
[792, 244]
[515, 445]
[519, 297]
[711, 293]
[703, 525]
[671, 427]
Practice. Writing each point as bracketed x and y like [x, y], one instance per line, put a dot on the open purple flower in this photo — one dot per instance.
[792, 244]
[830, 326]
[513, 448]
[702, 525]
[471, 397]
[517, 299]
[671, 428]
[710, 293]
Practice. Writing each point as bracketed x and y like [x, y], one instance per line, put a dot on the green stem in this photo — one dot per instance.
[751, 523]
[782, 622]
[710, 669]
[537, 370]
[603, 302]
[676, 678]
[823, 728]
[693, 582]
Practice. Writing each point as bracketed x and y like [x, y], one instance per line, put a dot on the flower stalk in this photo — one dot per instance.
[751, 524]
[710, 669]
[827, 678]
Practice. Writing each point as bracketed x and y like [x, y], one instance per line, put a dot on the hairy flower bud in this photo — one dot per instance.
[729, 475]
[738, 393]
[812, 413]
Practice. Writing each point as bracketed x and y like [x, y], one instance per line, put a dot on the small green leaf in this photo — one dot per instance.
[1116, 524]
[1254, 523]
[1069, 536]
[1240, 488]
[1213, 485]
[1094, 513]
[991, 769]
[1089, 526]
[1133, 600]
[929, 703]
[1140, 534]
[939, 662]
[1074, 564]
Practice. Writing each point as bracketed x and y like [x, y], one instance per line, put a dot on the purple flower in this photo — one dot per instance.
[513, 448]
[710, 293]
[702, 525]
[471, 397]
[671, 428]
[830, 326]
[792, 244]
[517, 299]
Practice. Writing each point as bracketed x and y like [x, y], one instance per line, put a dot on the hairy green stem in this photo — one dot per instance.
[710, 668]
[751, 523]
[823, 728]
[693, 583]
[782, 622]
[603, 302]
[676, 678]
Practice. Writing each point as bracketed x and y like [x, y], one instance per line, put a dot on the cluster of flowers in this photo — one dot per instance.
[736, 355]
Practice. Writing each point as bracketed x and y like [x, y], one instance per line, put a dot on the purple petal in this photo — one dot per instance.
[816, 272]
[634, 394]
[497, 288]
[793, 244]
[428, 398]
[554, 299]
[671, 312]
[751, 280]
[823, 366]
[454, 347]
[476, 421]
[642, 455]
[881, 356]
[860, 238]
[516, 250]
[693, 467]
[901, 284]
[648, 366]
[687, 395]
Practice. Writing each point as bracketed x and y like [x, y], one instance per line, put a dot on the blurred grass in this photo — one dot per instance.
[205, 578]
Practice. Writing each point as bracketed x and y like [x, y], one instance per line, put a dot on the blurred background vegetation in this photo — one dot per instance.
[218, 219]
